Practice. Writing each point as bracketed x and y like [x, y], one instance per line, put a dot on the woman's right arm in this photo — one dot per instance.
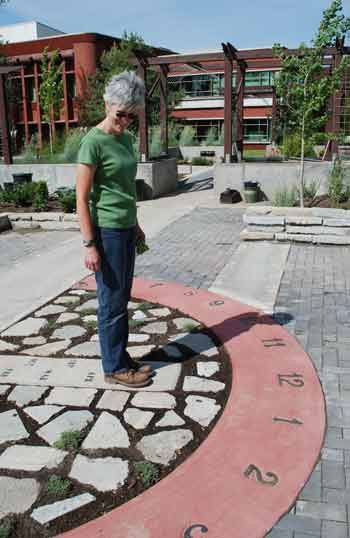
[85, 177]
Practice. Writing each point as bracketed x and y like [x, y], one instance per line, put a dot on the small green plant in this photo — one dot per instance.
[148, 472]
[135, 323]
[145, 305]
[187, 137]
[285, 196]
[67, 198]
[58, 486]
[6, 530]
[91, 324]
[89, 312]
[336, 186]
[69, 440]
[311, 188]
[190, 326]
[202, 161]
[292, 146]
[51, 324]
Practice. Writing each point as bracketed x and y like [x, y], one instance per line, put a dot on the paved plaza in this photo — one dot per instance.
[195, 242]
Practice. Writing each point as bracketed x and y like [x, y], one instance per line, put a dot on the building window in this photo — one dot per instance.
[203, 85]
[30, 89]
[205, 127]
[257, 130]
[71, 86]
[260, 78]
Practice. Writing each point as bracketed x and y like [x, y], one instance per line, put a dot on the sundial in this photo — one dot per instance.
[249, 470]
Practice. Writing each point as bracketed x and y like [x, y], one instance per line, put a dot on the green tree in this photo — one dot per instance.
[112, 62]
[51, 88]
[304, 87]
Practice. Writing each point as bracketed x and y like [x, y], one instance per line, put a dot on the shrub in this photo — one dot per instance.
[67, 198]
[147, 471]
[292, 146]
[72, 143]
[6, 530]
[155, 142]
[211, 138]
[311, 188]
[336, 183]
[202, 161]
[69, 440]
[187, 137]
[58, 486]
[27, 194]
[285, 196]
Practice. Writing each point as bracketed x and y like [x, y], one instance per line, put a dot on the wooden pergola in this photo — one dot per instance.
[5, 135]
[230, 59]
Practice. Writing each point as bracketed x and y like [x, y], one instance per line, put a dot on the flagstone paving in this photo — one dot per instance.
[51, 384]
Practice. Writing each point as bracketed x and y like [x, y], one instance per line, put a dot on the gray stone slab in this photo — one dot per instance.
[49, 512]
[158, 327]
[207, 369]
[17, 495]
[172, 351]
[159, 400]
[89, 318]
[77, 372]
[138, 419]
[299, 238]
[34, 341]
[69, 421]
[48, 349]
[183, 323]
[332, 240]
[138, 338]
[163, 447]
[31, 458]
[253, 274]
[137, 352]
[108, 432]
[337, 222]
[78, 292]
[91, 304]
[11, 427]
[199, 384]
[67, 316]
[67, 300]
[160, 312]
[113, 400]
[50, 310]
[139, 315]
[268, 229]
[42, 413]
[303, 220]
[24, 395]
[200, 409]
[317, 230]
[68, 331]
[170, 418]
[199, 343]
[248, 235]
[4, 389]
[104, 474]
[27, 327]
[264, 220]
[75, 397]
[7, 346]
[132, 305]
[86, 349]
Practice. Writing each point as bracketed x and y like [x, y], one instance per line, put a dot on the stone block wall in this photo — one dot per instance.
[294, 224]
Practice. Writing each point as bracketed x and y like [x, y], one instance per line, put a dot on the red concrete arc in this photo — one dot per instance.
[251, 467]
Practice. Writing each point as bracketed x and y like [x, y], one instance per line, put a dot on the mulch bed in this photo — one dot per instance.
[23, 525]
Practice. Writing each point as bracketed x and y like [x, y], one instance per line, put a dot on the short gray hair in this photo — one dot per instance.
[126, 90]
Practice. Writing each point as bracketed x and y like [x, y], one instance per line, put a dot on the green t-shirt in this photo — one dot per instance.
[113, 195]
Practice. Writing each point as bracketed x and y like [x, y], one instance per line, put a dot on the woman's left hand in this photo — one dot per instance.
[140, 234]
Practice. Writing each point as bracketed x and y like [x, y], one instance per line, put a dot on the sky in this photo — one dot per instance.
[181, 25]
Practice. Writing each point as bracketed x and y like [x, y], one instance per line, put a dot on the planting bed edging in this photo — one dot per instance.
[307, 225]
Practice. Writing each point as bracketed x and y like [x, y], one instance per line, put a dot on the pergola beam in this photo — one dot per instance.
[4, 123]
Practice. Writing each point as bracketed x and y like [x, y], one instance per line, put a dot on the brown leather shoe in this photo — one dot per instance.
[139, 367]
[129, 378]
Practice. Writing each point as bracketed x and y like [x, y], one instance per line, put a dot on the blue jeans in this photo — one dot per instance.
[114, 279]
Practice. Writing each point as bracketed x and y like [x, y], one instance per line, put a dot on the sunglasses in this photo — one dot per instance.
[125, 115]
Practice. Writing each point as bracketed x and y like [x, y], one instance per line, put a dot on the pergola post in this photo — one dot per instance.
[163, 116]
[143, 122]
[274, 117]
[4, 124]
[239, 134]
[227, 105]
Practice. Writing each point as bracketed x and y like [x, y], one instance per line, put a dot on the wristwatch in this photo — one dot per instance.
[89, 242]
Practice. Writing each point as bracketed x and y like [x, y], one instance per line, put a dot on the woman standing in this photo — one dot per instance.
[106, 205]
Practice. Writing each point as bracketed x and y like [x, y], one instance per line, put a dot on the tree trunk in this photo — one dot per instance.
[302, 163]
[50, 137]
